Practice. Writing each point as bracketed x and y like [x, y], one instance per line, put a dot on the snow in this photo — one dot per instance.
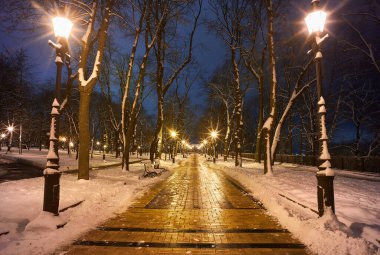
[290, 195]
[32, 231]
[353, 230]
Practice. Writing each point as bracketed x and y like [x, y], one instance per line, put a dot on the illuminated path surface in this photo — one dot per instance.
[195, 211]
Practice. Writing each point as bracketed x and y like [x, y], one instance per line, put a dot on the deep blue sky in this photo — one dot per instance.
[209, 53]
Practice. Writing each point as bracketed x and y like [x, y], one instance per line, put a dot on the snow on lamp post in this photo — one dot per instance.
[214, 135]
[62, 28]
[325, 176]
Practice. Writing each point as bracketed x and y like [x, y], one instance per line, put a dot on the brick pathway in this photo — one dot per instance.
[195, 211]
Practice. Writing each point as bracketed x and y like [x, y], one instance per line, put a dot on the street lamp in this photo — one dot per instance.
[2, 138]
[104, 152]
[98, 145]
[173, 134]
[214, 136]
[10, 131]
[204, 142]
[62, 28]
[183, 144]
[325, 176]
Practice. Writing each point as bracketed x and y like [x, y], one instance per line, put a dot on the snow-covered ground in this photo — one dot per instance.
[109, 191]
[354, 230]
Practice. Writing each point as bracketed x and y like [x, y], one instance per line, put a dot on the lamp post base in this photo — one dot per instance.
[325, 193]
[51, 190]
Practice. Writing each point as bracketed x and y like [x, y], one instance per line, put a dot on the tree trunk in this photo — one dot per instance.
[261, 120]
[268, 125]
[84, 134]
[238, 107]
[156, 146]
[277, 133]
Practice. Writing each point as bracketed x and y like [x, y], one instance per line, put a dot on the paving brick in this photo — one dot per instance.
[195, 211]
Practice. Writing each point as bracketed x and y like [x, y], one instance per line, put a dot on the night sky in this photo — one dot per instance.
[208, 51]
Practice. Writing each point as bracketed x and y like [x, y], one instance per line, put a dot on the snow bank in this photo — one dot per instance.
[32, 231]
[290, 196]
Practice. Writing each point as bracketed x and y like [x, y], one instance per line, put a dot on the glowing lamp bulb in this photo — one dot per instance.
[62, 27]
[214, 134]
[315, 21]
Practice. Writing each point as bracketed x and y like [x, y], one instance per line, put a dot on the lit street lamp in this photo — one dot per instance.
[173, 134]
[62, 28]
[104, 152]
[205, 145]
[214, 136]
[325, 176]
[10, 131]
[98, 145]
[183, 144]
[2, 138]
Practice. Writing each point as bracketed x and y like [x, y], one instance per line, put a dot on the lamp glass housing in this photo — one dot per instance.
[316, 21]
[62, 27]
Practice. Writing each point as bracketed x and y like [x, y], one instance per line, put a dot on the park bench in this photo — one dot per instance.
[153, 170]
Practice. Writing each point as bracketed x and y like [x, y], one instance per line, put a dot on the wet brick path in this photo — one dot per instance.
[197, 210]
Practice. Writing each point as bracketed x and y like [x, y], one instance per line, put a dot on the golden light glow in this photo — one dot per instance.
[214, 134]
[97, 143]
[205, 142]
[71, 144]
[3, 135]
[173, 134]
[316, 21]
[10, 128]
[62, 27]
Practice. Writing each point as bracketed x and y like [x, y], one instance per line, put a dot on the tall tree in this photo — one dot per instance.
[88, 78]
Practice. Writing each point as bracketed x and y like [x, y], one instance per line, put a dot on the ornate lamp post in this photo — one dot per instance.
[173, 135]
[325, 176]
[62, 28]
[214, 135]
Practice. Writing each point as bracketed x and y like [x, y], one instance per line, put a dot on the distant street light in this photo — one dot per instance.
[325, 176]
[2, 138]
[10, 131]
[214, 136]
[173, 134]
[62, 28]
[104, 152]
[204, 142]
[183, 144]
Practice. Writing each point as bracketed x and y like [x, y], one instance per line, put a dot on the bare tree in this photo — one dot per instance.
[229, 25]
[298, 89]
[162, 84]
[87, 79]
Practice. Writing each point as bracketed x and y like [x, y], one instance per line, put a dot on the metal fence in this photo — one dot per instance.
[371, 164]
